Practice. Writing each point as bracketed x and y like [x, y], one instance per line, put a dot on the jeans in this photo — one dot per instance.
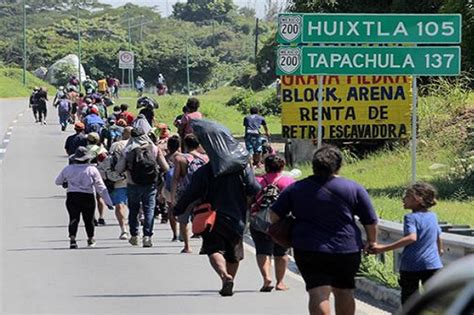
[146, 194]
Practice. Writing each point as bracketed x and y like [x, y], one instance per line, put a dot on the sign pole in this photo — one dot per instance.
[320, 111]
[413, 129]
[24, 43]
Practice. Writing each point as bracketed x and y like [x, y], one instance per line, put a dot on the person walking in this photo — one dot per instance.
[139, 161]
[173, 146]
[76, 140]
[64, 111]
[42, 105]
[185, 165]
[34, 103]
[93, 122]
[118, 181]
[227, 194]
[326, 240]
[82, 181]
[140, 85]
[184, 127]
[421, 256]
[273, 183]
[253, 138]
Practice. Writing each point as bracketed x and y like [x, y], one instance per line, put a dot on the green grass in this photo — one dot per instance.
[385, 174]
[212, 106]
[11, 83]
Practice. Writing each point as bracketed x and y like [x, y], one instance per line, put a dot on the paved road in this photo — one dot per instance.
[39, 274]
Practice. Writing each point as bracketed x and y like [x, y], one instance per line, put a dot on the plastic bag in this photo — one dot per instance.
[226, 154]
[145, 101]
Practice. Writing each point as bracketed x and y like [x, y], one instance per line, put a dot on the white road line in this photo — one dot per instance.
[3, 150]
[20, 114]
[6, 140]
[10, 128]
[15, 121]
[9, 133]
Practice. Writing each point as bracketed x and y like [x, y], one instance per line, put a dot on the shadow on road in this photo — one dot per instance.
[176, 294]
[143, 254]
[47, 197]
[65, 248]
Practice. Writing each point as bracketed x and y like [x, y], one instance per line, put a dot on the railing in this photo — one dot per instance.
[455, 246]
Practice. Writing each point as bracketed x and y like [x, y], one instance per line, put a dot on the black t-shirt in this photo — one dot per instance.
[149, 114]
[227, 193]
[75, 141]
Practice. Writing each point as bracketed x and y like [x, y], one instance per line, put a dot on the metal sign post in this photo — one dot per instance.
[320, 111]
[414, 92]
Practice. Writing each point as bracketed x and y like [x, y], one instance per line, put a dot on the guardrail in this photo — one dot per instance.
[455, 246]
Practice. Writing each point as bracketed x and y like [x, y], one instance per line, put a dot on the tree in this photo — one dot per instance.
[201, 10]
[271, 10]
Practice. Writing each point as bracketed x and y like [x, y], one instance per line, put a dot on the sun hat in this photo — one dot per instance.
[93, 137]
[81, 154]
[79, 126]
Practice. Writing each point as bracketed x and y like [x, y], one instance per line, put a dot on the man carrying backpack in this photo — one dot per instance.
[226, 190]
[93, 122]
[64, 111]
[140, 161]
[185, 166]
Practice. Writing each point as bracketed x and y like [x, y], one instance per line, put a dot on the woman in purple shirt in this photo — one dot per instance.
[82, 181]
[326, 240]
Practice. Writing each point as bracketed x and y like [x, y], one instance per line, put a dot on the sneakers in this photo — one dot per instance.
[124, 236]
[101, 221]
[91, 242]
[133, 240]
[96, 223]
[72, 244]
[147, 241]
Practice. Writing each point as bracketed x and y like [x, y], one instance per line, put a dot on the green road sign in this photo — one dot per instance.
[369, 28]
[361, 60]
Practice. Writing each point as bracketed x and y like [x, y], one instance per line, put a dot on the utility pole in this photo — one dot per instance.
[24, 42]
[256, 39]
[79, 45]
[130, 49]
[187, 66]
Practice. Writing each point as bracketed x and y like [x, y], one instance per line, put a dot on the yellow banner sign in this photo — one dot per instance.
[354, 107]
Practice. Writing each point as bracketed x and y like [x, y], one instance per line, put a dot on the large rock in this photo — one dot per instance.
[71, 60]
[41, 72]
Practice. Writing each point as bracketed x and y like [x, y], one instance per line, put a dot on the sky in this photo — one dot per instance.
[166, 6]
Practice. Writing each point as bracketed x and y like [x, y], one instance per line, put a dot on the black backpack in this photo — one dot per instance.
[143, 166]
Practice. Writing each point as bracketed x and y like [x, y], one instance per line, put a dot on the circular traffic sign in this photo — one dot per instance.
[126, 57]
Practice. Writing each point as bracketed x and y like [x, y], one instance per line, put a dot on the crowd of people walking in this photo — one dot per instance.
[136, 167]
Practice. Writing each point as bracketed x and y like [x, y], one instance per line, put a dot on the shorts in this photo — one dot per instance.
[265, 246]
[223, 239]
[185, 218]
[166, 195]
[119, 196]
[325, 269]
[253, 143]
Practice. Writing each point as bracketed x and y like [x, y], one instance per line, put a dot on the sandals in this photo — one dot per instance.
[227, 288]
[268, 288]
